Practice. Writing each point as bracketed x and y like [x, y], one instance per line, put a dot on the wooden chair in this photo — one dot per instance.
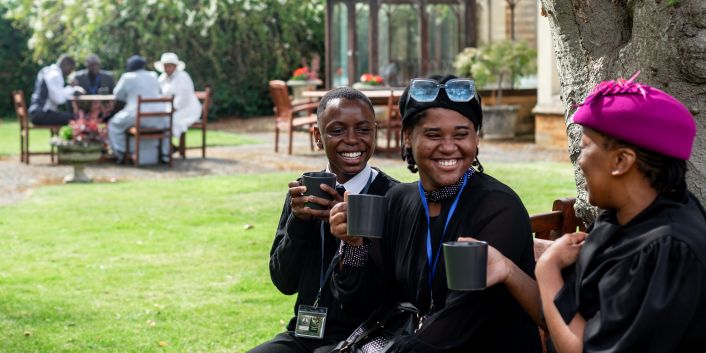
[549, 226]
[562, 219]
[205, 99]
[393, 124]
[18, 100]
[286, 114]
[138, 132]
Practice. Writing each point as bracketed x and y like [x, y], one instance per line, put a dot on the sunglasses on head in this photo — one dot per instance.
[457, 89]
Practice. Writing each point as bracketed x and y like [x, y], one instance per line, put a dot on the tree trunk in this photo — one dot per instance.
[597, 40]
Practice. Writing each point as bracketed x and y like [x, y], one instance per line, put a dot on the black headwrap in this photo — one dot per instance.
[410, 107]
[135, 63]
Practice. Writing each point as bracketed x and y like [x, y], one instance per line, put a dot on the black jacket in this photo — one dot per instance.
[478, 321]
[103, 83]
[642, 286]
[296, 263]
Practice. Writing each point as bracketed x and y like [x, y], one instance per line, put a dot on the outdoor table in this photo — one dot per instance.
[94, 98]
[98, 104]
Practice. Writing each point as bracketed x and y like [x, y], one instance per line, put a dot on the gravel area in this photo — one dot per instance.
[17, 180]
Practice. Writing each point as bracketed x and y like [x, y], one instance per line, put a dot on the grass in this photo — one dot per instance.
[39, 139]
[164, 266]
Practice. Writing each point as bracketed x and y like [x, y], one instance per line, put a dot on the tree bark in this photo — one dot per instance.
[597, 40]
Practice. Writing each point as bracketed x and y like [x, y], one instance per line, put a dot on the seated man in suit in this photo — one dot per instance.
[95, 81]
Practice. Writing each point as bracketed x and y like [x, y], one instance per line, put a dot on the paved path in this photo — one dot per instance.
[17, 180]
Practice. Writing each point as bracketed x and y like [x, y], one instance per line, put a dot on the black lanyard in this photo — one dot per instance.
[323, 277]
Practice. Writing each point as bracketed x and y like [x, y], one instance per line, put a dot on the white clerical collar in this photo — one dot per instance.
[357, 183]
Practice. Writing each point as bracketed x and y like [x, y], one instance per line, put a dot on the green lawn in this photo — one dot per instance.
[164, 266]
[39, 140]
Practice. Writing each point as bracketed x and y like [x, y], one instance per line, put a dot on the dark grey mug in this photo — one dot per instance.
[466, 264]
[366, 215]
[313, 181]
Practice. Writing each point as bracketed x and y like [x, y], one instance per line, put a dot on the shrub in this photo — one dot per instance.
[17, 71]
[497, 63]
[235, 46]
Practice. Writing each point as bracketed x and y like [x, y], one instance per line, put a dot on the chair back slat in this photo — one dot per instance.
[139, 132]
[205, 98]
[561, 220]
[280, 98]
[18, 100]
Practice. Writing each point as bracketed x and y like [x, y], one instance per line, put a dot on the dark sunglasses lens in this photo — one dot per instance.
[424, 91]
[459, 91]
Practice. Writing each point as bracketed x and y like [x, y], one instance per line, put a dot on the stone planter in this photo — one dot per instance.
[298, 87]
[499, 122]
[78, 155]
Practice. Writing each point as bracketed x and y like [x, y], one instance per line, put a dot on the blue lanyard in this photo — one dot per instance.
[434, 262]
[324, 277]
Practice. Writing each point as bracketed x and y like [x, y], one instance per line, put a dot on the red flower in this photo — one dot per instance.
[301, 74]
[86, 130]
[370, 79]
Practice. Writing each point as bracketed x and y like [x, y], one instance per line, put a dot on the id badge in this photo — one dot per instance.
[310, 322]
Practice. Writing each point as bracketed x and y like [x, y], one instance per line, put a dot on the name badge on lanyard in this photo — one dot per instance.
[311, 321]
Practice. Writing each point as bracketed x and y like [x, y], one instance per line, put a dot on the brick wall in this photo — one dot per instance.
[550, 131]
[526, 99]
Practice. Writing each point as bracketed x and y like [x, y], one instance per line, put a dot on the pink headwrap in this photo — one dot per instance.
[639, 114]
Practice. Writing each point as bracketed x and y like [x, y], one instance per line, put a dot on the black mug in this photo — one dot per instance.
[466, 264]
[366, 215]
[313, 181]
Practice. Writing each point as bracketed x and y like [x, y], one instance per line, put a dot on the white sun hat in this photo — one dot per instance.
[169, 58]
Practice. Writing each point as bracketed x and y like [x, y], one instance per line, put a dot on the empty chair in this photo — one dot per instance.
[202, 124]
[286, 114]
[393, 124]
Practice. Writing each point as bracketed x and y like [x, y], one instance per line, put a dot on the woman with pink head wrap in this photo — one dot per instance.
[636, 281]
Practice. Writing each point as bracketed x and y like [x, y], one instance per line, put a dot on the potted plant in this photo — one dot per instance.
[304, 78]
[78, 143]
[498, 65]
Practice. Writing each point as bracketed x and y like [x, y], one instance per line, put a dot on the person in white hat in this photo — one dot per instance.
[175, 81]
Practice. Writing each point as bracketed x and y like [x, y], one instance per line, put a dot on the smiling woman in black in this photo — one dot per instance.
[441, 142]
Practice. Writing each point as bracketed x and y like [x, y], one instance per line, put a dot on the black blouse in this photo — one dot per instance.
[642, 287]
[396, 271]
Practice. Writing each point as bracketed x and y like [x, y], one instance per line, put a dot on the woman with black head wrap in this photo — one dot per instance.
[453, 198]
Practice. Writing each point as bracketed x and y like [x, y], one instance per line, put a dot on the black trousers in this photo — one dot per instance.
[286, 342]
[50, 117]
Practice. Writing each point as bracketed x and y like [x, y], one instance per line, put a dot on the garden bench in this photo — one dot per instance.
[547, 227]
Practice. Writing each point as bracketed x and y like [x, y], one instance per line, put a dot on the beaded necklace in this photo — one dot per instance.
[448, 191]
